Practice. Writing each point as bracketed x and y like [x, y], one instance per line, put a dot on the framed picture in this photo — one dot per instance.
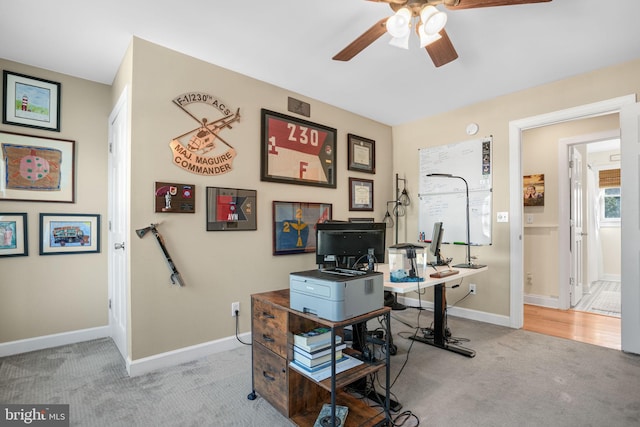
[36, 169]
[13, 234]
[360, 194]
[368, 219]
[294, 226]
[62, 234]
[30, 101]
[171, 197]
[533, 191]
[362, 154]
[231, 209]
[295, 151]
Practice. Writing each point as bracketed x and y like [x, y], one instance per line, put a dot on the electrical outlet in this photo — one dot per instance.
[235, 306]
[472, 288]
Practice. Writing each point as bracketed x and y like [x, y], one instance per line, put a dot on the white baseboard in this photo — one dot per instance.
[50, 341]
[541, 300]
[611, 277]
[464, 313]
[184, 355]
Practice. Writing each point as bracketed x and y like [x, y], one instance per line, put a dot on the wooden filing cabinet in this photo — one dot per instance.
[296, 396]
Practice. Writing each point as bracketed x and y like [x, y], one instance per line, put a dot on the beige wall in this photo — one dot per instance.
[44, 295]
[218, 267]
[493, 117]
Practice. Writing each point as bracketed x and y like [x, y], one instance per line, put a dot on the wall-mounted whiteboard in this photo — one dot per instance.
[444, 198]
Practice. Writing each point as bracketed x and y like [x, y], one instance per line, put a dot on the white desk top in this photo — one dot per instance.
[404, 287]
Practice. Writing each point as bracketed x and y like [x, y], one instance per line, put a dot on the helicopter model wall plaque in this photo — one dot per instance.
[202, 150]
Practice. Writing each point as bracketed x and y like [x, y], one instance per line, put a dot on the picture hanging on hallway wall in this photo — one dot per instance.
[294, 226]
[62, 234]
[13, 234]
[36, 169]
[533, 189]
[30, 101]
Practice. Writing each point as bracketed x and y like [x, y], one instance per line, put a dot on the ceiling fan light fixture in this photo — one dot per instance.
[401, 42]
[427, 39]
[398, 25]
[433, 21]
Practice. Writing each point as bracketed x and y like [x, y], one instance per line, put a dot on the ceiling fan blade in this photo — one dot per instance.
[471, 4]
[442, 51]
[359, 44]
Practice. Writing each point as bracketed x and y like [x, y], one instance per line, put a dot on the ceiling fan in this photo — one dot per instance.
[429, 27]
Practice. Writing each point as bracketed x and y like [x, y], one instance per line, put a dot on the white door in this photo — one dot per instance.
[118, 224]
[630, 224]
[576, 221]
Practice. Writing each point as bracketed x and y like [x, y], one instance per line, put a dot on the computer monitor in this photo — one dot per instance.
[348, 244]
[436, 241]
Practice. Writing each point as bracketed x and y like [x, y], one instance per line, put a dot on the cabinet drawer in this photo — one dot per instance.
[269, 327]
[270, 377]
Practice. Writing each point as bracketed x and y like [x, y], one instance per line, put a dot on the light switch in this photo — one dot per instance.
[529, 219]
[503, 216]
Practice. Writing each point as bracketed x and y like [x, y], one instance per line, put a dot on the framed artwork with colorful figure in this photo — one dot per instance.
[13, 234]
[62, 234]
[294, 226]
[36, 169]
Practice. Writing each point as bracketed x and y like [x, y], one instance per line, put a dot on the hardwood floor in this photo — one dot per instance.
[580, 326]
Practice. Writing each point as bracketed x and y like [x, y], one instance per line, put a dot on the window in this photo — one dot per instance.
[609, 182]
[611, 205]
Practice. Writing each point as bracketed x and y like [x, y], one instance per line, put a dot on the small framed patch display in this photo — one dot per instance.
[175, 198]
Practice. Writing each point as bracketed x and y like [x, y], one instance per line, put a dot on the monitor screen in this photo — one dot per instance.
[436, 241]
[347, 244]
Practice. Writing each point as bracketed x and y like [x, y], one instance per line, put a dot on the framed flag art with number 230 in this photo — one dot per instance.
[296, 151]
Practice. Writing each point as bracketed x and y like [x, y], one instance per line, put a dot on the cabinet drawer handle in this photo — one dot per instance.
[267, 338]
[268, 315]
[269, 377]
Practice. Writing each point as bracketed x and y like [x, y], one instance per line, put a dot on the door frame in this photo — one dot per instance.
[516, 230]
[564, 270]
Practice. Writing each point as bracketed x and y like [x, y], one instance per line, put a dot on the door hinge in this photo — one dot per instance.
[109, 303]
[111, 148]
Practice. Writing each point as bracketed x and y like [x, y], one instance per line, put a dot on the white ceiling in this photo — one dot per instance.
[290, 43]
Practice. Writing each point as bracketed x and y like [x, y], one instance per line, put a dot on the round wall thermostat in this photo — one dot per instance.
[472, 128]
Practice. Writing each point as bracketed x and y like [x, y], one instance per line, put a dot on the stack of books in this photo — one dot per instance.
[312, 352]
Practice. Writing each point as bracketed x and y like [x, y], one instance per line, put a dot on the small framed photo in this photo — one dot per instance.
[294, 226]
[360, 194]
[13, 234]
[362, 154]
[62, 234]
[30, 101]
[533, 191]
[50, 178]
[230, 209]
[296, 151]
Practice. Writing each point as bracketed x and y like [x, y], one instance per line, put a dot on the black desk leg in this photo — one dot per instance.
[439, 332]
